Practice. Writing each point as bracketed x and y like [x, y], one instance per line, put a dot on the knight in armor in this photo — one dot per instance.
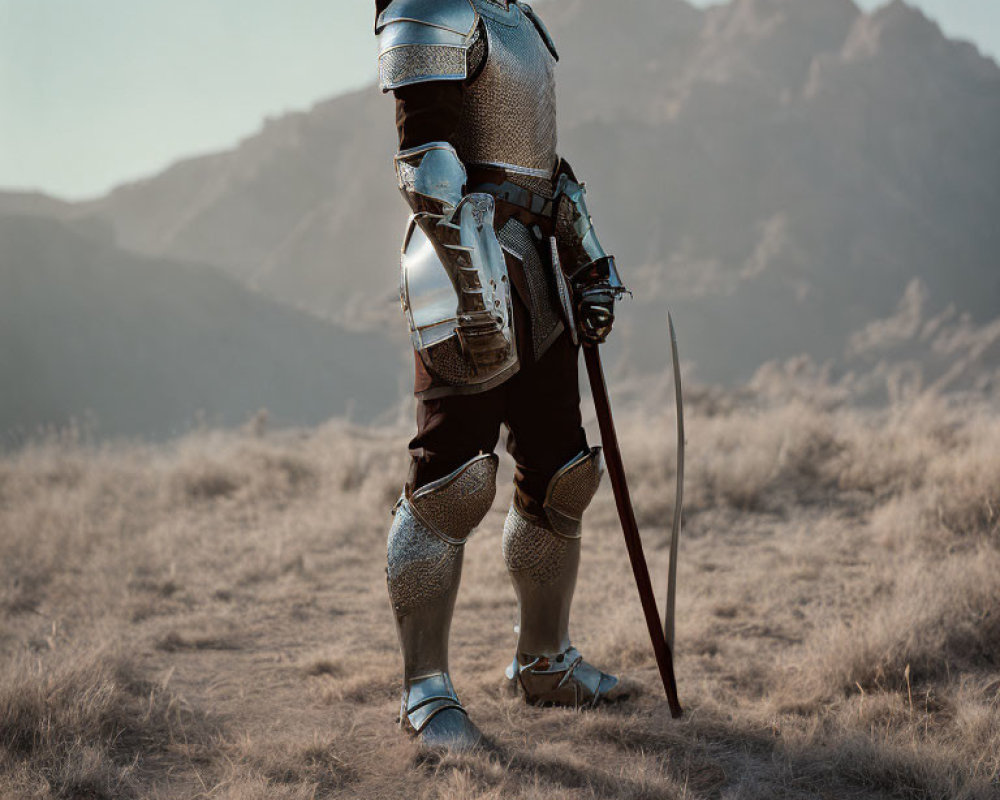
[502, 278]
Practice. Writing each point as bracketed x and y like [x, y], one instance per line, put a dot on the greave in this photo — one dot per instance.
[543, 556]
[425, 548]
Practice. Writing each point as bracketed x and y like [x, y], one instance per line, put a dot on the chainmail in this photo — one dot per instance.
[477, 51]
[540, 186]
[532, 551]
[448, 363]
[410, 63]
[516, 238]
[509, 111]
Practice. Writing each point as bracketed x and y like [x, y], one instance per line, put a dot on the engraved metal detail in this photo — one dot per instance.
[509, 111]
[532, 551]
[433, 171]
[429, 530]
[457, 503]
[421, 565]
[516, 239]
[571, 491]
[417, 63]
[563, 680]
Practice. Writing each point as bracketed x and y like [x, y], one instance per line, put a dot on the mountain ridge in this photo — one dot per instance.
[147, 347]
[779, 171]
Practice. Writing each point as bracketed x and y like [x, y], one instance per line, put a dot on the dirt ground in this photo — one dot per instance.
[208, 618]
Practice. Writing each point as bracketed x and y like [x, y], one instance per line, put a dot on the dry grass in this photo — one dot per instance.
[208, 619]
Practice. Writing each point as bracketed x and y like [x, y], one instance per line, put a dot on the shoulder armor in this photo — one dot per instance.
[424, 40]
[457, 16]
[529, 12]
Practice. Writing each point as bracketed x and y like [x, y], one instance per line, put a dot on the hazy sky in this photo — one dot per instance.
[94, 92]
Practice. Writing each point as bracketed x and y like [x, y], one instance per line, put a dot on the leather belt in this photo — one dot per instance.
[519, 196]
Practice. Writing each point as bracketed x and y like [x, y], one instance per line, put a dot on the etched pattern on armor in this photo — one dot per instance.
[407, 174]
[458, 505]
[429, 531]
[509, 111]
[571, 491]
[421, 565]
[407, 64]
[517, 239]
[533, 551]
[567, 236]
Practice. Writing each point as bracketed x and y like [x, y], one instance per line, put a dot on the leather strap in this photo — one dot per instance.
[519, 196]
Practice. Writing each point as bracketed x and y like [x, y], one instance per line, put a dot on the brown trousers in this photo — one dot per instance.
[540, 406]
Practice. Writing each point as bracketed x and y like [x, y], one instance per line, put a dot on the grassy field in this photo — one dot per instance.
[208, 618]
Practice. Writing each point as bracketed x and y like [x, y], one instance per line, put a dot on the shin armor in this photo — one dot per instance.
[543, 556]
[425, 548]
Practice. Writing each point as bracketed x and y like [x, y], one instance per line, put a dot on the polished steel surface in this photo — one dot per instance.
[456, 16]
[565, 680]
[454, 287]
[574, 226]
[424, 40]
[433, 171]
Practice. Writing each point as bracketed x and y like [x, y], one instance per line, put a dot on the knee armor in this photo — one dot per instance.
[424, 557]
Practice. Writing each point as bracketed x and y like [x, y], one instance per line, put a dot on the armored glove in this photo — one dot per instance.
[595, 282]
[595, 299]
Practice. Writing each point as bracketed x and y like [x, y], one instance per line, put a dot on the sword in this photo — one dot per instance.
[633, 541]
[675, 532]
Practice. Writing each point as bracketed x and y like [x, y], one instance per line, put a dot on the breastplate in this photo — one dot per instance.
[509, 111]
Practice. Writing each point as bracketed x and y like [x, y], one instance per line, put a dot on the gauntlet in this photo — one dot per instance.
[592, 273]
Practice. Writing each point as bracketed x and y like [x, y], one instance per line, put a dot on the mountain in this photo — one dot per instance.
[778, 171]
[146, 347]
[306, 210]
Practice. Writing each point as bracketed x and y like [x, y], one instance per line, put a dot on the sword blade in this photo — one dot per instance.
[675, 533]
[630, 529]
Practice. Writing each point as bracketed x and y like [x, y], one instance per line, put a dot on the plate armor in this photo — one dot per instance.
[507, 126]
[425, 549]
[509, 109]
[497, 217]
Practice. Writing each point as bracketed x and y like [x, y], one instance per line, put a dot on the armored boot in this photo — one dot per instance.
[543, 556]
[425, 548]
